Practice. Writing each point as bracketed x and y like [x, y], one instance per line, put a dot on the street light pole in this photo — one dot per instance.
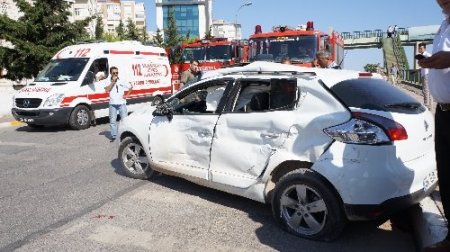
[236, 15]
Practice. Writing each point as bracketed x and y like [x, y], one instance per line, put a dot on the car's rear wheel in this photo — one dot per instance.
[80, 118]
[133, 159]
[306, 207]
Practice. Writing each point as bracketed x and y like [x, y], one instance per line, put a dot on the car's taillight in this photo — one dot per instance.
[366, 128]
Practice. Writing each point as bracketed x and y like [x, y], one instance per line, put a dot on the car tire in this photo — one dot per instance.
[316, 214]
[133, 159]
[80, 118]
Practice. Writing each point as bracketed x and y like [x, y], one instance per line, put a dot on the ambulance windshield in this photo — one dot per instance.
[62, 70]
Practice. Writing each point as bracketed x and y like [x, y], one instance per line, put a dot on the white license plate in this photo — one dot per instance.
[26, 120]
[429, 180]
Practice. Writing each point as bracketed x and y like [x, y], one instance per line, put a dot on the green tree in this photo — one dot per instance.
[208, 34]
[120, 30]
[172, 38]
[132, 32]
[36, 36]
[99, 28]
[110, 37]
[158, 39]
[372, 68]
[144, 35]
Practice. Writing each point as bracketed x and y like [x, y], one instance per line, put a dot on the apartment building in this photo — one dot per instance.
[222, 29]
[83, 9]
[112, 11]
[134, 11]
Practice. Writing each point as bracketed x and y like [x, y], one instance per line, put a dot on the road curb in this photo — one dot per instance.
[428, 222]
[11, 123]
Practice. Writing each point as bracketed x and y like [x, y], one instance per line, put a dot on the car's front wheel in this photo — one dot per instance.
[133, 159]
[306, 207]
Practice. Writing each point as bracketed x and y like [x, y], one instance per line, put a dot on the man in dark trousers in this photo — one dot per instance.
[439, 81]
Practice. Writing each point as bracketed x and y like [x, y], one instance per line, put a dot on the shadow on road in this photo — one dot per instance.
[358, 236]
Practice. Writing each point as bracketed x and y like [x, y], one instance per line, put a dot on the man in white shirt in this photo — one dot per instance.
[427, 100]
[117, 102]
[439, 83]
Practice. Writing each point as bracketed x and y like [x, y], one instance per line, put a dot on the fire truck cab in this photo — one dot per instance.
[300, 45]
[211, 54]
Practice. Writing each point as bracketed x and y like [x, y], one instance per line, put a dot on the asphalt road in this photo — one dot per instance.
[60, 191]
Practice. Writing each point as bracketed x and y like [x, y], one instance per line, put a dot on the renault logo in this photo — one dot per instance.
[26, 103]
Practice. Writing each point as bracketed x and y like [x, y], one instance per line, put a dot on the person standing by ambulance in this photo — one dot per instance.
[439, 83]
[117, 100]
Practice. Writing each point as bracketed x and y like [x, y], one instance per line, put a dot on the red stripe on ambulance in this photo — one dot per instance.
[104, 97]
[120, 52]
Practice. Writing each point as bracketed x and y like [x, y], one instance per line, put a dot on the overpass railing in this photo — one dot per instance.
[377, 33]
[411, 76]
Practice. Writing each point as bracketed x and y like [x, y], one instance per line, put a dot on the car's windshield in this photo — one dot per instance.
[62, 70]
[299, 49]
[220, 52]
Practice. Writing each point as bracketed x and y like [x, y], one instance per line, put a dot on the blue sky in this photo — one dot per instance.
[341, 15]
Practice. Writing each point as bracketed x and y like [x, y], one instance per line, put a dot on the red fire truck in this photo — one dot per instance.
[300, 45]
[211, 54]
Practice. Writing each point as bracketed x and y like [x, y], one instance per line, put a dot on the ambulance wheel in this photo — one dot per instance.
[80, 118]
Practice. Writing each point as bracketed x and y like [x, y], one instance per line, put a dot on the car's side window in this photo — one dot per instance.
[266, 95]
[202, 99]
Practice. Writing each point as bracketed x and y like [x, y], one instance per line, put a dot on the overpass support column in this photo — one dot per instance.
[416, 51]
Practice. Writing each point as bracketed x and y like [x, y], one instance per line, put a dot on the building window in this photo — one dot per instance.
[186, 18]
[78, 11]
[3, 7]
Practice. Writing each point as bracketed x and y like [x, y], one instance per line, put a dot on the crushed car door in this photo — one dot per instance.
[183, 143]
[255, 123]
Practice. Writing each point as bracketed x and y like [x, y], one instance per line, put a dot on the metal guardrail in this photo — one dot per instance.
[411, 77]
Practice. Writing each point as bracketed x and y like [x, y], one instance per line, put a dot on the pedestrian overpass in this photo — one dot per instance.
[393, 51]
[373, 38]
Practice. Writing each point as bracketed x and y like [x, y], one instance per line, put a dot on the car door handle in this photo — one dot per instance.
[204, 133]
[270, 135]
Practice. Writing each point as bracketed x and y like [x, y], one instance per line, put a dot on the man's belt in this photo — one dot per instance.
[444, 106]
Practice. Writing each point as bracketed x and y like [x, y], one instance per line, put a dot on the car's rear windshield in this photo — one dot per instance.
[376, 94]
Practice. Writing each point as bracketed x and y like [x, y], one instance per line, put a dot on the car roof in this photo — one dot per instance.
[262, 68]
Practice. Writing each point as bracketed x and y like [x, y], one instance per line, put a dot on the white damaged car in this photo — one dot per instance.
[322, 146]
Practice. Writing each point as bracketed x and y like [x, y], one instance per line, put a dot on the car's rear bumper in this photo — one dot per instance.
[372, 179]
[387, 208]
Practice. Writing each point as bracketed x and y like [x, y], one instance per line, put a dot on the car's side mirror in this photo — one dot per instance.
[164, 109]
[89, 78]
[157, 100]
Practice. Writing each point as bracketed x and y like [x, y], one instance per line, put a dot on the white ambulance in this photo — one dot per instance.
[70, 89]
